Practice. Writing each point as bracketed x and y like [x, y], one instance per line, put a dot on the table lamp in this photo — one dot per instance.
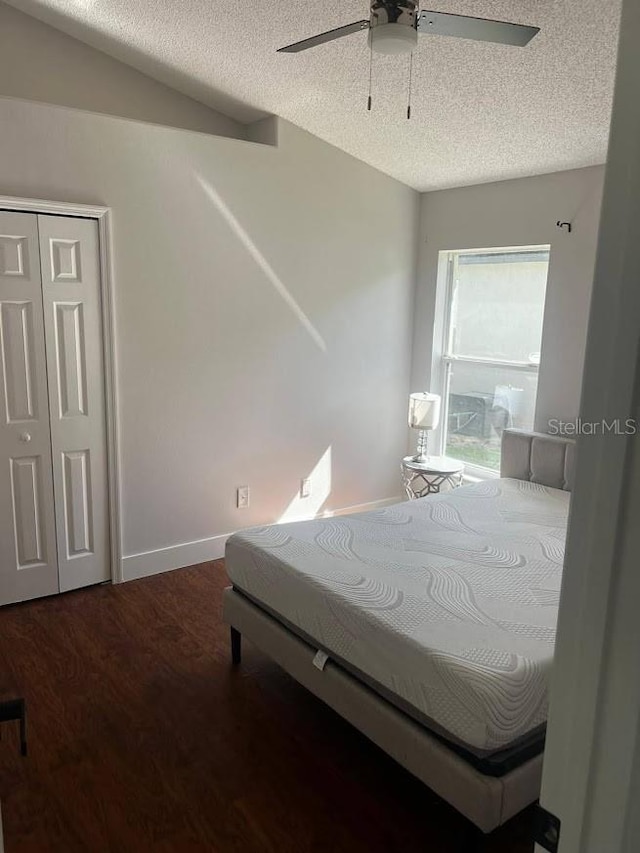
[424, 415]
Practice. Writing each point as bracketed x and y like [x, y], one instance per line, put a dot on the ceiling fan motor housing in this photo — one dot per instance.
[393, 26]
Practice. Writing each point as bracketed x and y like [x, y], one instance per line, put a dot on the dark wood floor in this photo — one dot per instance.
[141, 737]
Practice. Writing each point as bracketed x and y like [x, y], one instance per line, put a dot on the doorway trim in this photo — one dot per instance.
[102, 215]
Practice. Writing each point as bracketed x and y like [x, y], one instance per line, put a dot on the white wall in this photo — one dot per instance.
[263, 306]
[39, 63]
[519, 213]
[591, 777]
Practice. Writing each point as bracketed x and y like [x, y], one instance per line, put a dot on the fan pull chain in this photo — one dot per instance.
[410, 84]
[370, 101]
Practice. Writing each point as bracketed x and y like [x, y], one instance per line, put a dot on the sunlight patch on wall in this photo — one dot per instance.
[320, 478]
[262, 262]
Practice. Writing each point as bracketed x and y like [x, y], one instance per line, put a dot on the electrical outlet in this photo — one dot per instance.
[243, 497]
[305, 487]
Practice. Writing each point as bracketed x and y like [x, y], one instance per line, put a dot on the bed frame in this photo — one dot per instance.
[486, 801]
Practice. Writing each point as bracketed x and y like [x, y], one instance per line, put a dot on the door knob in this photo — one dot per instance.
[25, 437]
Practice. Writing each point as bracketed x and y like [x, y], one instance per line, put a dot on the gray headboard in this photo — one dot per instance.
[538, 457]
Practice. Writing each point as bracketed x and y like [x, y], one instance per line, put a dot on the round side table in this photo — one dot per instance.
[430, 476]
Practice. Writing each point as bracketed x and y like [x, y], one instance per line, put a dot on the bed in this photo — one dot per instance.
[429, 625]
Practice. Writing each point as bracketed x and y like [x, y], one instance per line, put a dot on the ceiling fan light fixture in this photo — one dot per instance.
[393, 39]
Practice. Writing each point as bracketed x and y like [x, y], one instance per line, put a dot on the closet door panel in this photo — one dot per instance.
[69, 251]
[28, 562]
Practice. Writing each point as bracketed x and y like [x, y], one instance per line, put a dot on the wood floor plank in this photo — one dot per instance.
[142, 737]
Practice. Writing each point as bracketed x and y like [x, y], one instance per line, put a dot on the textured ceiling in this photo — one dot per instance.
[481, 112]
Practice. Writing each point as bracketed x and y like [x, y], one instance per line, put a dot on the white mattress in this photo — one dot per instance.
[448, 602]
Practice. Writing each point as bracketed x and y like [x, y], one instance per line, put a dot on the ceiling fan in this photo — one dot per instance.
[394, 26]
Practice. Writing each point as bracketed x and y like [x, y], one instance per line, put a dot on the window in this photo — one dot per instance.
[491, 350]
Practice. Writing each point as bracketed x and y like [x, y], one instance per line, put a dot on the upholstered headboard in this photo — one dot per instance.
[537, 457]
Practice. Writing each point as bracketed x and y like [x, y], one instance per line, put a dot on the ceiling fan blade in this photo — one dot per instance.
[479, 29]
[325, 37]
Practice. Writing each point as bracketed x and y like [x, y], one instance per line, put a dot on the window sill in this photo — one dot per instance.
[476, 474]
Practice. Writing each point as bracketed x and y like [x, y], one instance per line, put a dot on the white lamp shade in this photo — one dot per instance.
[393, 38]
[424, 410]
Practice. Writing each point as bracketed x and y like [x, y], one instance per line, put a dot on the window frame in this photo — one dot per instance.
[444, 358]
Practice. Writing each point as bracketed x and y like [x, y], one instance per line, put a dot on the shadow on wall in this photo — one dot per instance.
[262, 262]
[281, 465]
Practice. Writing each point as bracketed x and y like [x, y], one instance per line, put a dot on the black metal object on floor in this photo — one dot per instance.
[236, 646]
[15, 709]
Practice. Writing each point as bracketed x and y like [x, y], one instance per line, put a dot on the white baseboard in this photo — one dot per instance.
[349, 510]
[189, 553]
[174, 557]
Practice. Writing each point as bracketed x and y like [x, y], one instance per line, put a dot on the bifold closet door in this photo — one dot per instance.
[70, 260]
[28, 562]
